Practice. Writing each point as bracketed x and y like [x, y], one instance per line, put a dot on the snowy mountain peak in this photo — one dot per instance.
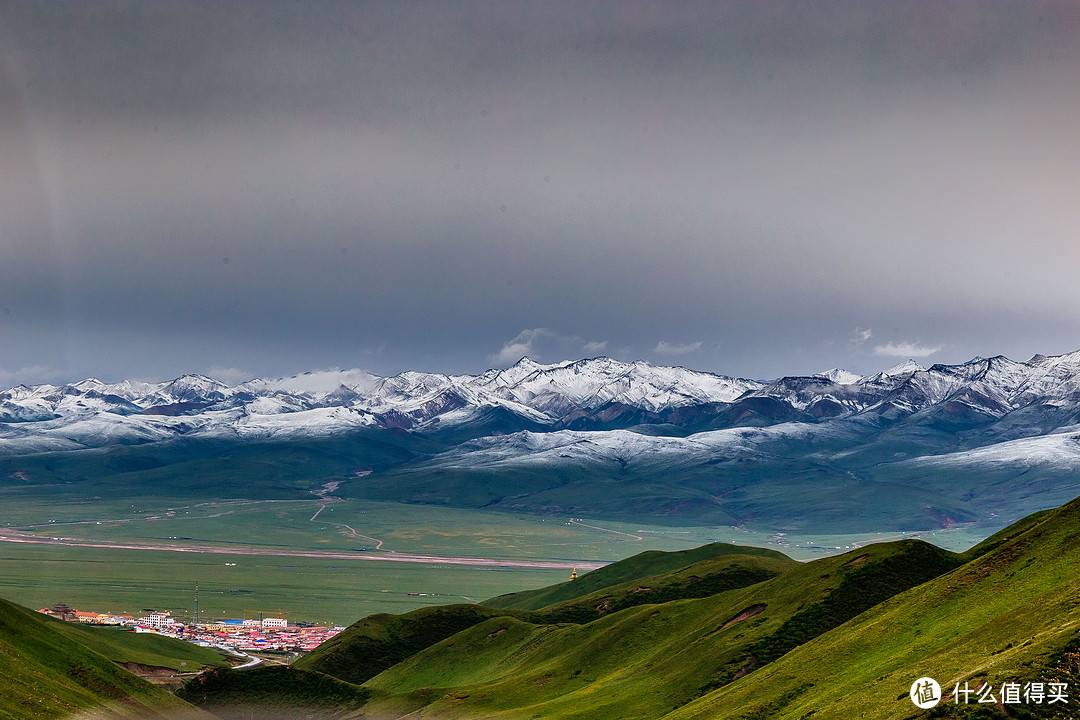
[905, 368]
[514, 374]
[840, 376]
[526, 365]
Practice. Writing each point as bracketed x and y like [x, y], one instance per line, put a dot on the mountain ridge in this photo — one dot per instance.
[587, 394]
[908, 448]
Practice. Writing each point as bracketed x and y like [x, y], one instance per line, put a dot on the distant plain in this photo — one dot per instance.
[326, 590]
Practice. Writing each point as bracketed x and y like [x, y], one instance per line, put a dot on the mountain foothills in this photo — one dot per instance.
[49, 669]
[908, 448]
[720, 631]
[733, 633]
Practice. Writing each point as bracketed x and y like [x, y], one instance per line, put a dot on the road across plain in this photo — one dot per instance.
[14, 536]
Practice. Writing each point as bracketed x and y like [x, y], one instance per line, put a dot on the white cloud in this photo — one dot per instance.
[525, 344]
[860, 336]
[545, 345]
[665, 348]
[512, 352]
[905, 349]
[229, 375]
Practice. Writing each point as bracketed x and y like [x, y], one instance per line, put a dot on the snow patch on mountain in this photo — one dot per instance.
[572, 448]
[305, 423]
[1060, 450]
[621, 448]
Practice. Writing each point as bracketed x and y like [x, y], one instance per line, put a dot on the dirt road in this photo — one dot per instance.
[14, 536]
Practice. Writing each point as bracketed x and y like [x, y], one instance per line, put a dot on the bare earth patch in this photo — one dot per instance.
[746, 614]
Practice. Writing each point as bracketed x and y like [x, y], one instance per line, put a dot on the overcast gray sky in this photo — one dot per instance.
[755, 189]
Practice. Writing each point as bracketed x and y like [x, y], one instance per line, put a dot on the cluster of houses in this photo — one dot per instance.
[60, 611]
[265, 635]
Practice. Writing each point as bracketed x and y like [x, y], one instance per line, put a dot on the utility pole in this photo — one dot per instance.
[196, 602]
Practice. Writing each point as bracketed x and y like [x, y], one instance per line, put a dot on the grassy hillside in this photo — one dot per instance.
[378, 642]
[702, 579]
[272, 692]
[643, 661]
[381, 641]
[1006, 534]
[840, 637]
[642, 565]
[1011, 615]
[123, 646]
[46, 674]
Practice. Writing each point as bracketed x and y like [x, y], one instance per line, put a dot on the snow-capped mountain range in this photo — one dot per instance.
[909, 447]
[592, 394]
[1031, 398]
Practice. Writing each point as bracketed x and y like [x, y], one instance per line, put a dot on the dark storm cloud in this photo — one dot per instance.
[272, 187]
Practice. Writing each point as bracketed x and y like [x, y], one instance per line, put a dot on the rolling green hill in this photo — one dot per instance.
[840, 637]
[643, 661]
[642, 565]
[123, 646]
[1012, 614]
[834, 638]
[702, 579]
[44, 673]
[273, 692]
[378, 642]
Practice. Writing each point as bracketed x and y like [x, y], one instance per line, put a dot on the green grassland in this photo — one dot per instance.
[700, 563]
[321, 590]
[341, 525]
[276, 692]
[838, 637]
[313, 589]
[274, 496]
[378, 642]
[1012, 614]
[121, 645]
[680, 635]
[643, 661]
[310, 589]
[702, 579]
[44, 673]
[284, 524]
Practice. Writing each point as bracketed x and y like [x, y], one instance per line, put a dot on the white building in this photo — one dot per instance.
[156, 620]
[274, 622]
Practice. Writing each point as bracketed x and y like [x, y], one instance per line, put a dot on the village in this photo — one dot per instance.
[267, 635]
